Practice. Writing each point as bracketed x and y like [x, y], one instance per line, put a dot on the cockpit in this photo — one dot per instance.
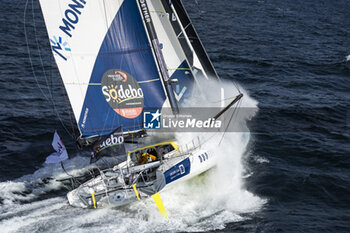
[156, 152]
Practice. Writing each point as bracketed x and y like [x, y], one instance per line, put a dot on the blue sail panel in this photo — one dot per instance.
[128, 75]
[184, 87]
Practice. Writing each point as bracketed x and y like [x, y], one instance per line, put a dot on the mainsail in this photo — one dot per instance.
[106, 62]
[109, 64]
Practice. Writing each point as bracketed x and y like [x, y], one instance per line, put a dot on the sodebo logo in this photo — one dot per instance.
[110, 141]
[70, 19]
[122, 93]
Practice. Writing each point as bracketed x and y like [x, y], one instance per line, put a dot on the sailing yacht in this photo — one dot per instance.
[119, 61]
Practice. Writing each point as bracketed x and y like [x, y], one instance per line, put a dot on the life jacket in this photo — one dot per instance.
[145, 156]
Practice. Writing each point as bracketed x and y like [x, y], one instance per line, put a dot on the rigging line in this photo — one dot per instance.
[233, 113]
[184, 30]
[200, 11]
[223, 135]
[42, 65]
[55, 109]
[73, 178]
[69, 113]
[218, 101]
[28, 49]
[43, 69]
[236, 85]
[38, 49]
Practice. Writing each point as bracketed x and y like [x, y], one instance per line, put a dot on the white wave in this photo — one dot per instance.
[11, 191]
[30, 187]
[24, 217]
[347, 58]
[207, 202]
[260, 159]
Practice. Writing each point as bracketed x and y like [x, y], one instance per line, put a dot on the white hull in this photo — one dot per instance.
[107, 190]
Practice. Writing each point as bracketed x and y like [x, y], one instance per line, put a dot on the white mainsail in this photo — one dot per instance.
[111, 67]
[106, 62]
[76, 30]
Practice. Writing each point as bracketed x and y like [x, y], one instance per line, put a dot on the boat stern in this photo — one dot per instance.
[75, 200]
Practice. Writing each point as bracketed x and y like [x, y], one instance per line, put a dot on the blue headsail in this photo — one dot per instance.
[128, 74]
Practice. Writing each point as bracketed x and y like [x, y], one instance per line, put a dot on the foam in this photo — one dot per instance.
[207, 202]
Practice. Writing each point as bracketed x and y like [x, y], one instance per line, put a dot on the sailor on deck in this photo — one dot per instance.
[146, 157]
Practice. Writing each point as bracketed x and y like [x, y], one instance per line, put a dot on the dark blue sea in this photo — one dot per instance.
[292, 57]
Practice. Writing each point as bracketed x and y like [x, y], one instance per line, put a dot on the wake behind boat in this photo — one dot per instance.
[124, 64]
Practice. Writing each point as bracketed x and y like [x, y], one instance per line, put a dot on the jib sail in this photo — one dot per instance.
[188, 37]
[183, 52]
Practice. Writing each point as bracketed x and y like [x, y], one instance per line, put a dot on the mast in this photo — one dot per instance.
[158, 53]
[191, 43]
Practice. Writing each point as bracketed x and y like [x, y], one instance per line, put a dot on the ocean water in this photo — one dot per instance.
[290, 173]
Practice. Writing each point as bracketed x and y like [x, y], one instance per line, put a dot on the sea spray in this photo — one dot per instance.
[206, 202]
[218, 196]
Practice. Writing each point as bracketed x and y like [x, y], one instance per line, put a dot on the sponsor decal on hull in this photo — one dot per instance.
[179, 170]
